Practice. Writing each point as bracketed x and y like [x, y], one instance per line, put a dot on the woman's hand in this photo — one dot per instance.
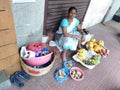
[77, 37]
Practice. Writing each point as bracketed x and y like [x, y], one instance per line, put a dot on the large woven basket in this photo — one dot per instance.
[38, 71]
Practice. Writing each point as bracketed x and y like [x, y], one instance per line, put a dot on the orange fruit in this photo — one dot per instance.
[101, 42]
[90, 44]
[96, 48]
[93, 40]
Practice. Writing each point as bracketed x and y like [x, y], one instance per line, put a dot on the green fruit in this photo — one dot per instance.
[97, 62]
[93, 62]
[97, 57]
[90, 62]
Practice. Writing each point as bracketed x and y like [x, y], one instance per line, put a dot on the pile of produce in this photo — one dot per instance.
[82, 54]
[95, 60]
[76, 74]
[97, 46]
[88, 57]
[61, 74]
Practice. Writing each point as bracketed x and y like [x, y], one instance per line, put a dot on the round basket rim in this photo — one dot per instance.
[53, 56]
[79, 69]
[37, 57]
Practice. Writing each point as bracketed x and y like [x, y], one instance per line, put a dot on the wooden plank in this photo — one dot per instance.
[4, 4]
[7, 62]
[65, 9]
[5, 22]
[52, 16]
[7, 37]
[8, 47]
[53, 28]
[16, 67]
[55, 17]
[57, 14]
[53, 23]
[67, 5]
[61, 17]
[57, 9]
[8, 50]
[67, 1]
[55, 20]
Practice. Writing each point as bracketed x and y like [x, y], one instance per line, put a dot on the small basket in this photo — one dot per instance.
[69, 64]
[44, 69]
[79, 70]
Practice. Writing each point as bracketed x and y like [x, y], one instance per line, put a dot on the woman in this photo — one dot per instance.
[70, 32]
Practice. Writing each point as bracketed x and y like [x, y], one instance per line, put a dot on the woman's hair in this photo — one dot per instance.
[72, 8]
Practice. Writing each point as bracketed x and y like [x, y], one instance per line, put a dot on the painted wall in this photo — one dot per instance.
[114, 8]
[28, 21]
[96, 11]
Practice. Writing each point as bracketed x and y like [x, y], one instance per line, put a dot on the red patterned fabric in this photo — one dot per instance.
[35, 47]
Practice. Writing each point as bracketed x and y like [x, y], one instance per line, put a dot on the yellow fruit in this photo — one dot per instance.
[96, 48]
[95, 44]
[82, 57]
[81, 50]
[82, 54]
[93, 40]
[91, 49]
[90, 44]
[101, 42]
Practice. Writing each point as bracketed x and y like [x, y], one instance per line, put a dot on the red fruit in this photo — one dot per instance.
[98, 51]
[104, 52]
[101, 53]
[107, 51]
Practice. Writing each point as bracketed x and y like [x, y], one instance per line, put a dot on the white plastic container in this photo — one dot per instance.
[44, 38]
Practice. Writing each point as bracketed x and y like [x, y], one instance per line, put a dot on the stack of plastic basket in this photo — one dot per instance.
[38, 65]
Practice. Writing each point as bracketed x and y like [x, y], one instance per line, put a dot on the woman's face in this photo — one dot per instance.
[72, 13]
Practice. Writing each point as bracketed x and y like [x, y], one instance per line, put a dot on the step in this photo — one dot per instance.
[4, 81]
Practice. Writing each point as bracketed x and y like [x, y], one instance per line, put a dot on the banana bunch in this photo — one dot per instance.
[82, 54]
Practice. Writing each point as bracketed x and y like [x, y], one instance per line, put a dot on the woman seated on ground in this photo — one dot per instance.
[70, 32]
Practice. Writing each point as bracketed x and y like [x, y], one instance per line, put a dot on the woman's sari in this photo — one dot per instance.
[68, 43]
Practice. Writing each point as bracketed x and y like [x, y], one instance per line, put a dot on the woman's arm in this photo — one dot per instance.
[82, 32]
[65, 34]
[80, 29]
